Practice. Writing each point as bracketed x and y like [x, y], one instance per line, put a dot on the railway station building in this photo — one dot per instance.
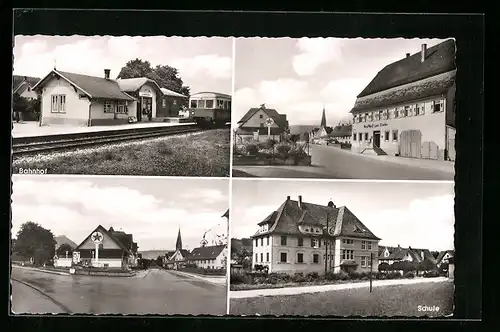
[408, 109]
[82, 100]
[108, 249]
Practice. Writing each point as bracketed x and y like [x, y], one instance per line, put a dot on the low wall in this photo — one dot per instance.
[47, 121]
[63, 262]
[205, 272]
[242, 160]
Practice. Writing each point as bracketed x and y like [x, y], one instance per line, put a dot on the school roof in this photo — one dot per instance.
[342, 222]
[440, 59]
[208, 252]
[171, 93]
[92, 86]
[21, 83]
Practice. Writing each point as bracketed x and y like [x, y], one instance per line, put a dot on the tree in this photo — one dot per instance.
[19, 106]
[242, 257]
[166, 76]
[426, 265]
[35, 242]
[63, 248]
[383, 267]
[159, 261]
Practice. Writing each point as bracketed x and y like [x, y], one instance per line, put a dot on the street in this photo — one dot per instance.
[399, 300]
[333, 163]
[155, 292]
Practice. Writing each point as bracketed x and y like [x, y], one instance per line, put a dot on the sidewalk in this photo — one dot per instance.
[283, 171]
[61, 273]
[218, 280]
[328, 288]
[438, 165]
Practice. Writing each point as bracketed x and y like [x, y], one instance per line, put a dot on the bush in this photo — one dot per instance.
[239, 150]
[312, 276]
[409, 275]
[236, 279]
[431, 274]
[298, 277]
[337, 276]
[283, 149]
[383, 267]
[251, 149]
[354, 275]
[268, 144]
[393, 275]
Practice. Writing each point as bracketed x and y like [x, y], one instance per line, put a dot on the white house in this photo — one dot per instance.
[82, 100]
[23, 86]
[408, 109]
[209, 257]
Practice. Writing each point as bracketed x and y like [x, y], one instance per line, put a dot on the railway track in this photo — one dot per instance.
[36, 145]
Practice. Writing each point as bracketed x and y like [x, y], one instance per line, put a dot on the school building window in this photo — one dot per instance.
[348, 241]
[300, 258]
[366, 245]
[283, 257]
[437, 106]
[394, 135]
[58, 104]
[267, 257]
[347, 254]
[283, 240]
[300, 242]
[268, 240]
[386, 136]
[262, 241]
[261, 257]
[256, 258]
[315, 243]
[256, 242]
[316, 258]
[364, 261]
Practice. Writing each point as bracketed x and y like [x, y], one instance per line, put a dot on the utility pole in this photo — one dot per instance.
[371, 270]
[327, 241]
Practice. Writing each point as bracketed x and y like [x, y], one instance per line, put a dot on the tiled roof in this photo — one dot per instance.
[134, 84]
[95, 87]
[279, 119]
[342, 222]
[398, 253]
[113, 237]
[18, 83]
[430, 87]
[171, 93]
[208, 252]
[439, 59]
[443, 253]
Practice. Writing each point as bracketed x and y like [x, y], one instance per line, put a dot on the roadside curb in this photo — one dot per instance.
[207, 279]
[327, 288]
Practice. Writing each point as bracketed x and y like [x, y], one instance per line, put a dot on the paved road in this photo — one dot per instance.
[332, 163]
[158, 292]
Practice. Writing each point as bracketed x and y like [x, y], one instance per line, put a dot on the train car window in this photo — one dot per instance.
[225, 104]
[220, 103]
[228, 105]
[201, 104]
[193, 103]
[209, 103]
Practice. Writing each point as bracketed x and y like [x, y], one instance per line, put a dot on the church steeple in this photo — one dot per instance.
[178, 244]
[323, 118]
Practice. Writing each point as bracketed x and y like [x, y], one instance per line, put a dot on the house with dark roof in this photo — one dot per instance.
[82, 100]
[391, 255]
[408, 109]
[307, 237]
[209, 257]
[23, 86]
[444, 257]
[341, 133]
[262, 123]
[107, 248]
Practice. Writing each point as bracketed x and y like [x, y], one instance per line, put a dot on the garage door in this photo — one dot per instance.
[430, 150]
[410, 144]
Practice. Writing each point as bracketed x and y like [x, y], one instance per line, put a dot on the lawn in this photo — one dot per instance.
[399, 300]
[201, 154]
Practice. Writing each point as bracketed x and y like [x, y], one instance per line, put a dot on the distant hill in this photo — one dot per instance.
[62, 239]
[153, 254]
[299, 129]
[239, 244]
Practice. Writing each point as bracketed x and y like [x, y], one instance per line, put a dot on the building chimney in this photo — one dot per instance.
[106, 73]
[300, 201]
[423, 54]
[287, 198]
[407, 55]
[330, 204]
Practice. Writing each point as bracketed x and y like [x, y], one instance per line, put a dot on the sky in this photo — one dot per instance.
[150, 208]
[416, 214]
[204, 64]
[298, 77]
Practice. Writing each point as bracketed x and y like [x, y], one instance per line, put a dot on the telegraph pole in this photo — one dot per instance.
[327, 241]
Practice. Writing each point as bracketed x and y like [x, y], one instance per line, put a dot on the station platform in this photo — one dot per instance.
[32, 129]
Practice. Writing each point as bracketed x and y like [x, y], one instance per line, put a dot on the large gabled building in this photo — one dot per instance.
[306, 237]
[408, 109]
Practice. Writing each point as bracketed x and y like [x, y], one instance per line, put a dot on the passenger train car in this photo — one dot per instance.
[210, 109]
